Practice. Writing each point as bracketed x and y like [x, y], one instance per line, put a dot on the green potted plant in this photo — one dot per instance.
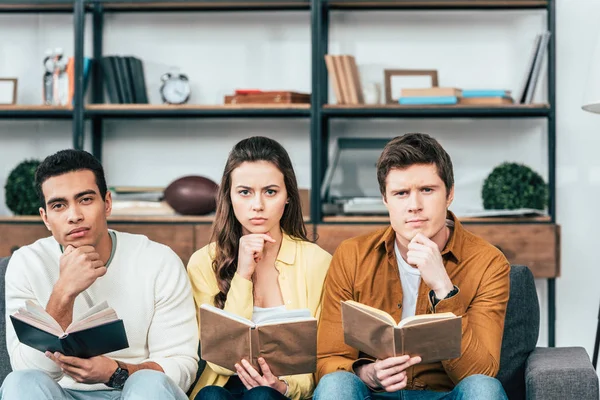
[512, 186]
[20, 193]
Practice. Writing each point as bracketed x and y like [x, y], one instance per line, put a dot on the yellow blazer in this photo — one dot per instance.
[302, 269]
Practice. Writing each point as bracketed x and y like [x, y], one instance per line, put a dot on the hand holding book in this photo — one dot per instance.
[250, 377]
[388, 374]
[432, 337]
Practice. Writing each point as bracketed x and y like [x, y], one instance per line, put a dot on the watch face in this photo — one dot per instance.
[176, 91]
[119, 378]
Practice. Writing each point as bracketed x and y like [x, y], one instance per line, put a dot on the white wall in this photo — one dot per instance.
[221, 52]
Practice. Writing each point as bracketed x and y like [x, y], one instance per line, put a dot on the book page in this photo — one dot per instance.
[424, 318]
[382, 315]
[227, 314]
[285, 316]
[35, 312]
[42, 325]
[93, 310]
[100, 318]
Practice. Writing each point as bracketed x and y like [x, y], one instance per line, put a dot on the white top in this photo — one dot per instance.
[410, 278]
[260, 314]
[145, 283]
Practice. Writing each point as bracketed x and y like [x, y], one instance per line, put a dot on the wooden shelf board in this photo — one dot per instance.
[201, 107]
[146, 219]
[144, 111]
[439, 4]
[357, 219]
[27, 107]
[205, 5]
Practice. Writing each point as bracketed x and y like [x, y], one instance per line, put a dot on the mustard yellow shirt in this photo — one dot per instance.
[302, 269]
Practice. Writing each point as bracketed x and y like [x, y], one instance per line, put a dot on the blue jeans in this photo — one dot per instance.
[347, 386]
[37, 385]
[235, 390]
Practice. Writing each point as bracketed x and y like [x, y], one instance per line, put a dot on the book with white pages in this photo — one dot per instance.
[97, 331]
[286, 339]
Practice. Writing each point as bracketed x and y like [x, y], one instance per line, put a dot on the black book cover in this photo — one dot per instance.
[110, 80]
[124, 80]
[139, 81]
[91, 342]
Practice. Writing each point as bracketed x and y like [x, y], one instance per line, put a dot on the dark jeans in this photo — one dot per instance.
[234, 389]
[347, 386]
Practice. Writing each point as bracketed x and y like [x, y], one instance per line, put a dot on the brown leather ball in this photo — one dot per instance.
[192, 195]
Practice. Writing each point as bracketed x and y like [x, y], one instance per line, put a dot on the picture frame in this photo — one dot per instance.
[397, 79]
[8, 91]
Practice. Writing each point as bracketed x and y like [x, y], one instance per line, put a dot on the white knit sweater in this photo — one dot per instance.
[145, 283]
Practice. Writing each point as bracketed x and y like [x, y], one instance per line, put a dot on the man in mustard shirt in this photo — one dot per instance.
[424, 262]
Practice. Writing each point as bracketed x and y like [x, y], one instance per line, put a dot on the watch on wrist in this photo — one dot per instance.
[435, 300]
[118, 378]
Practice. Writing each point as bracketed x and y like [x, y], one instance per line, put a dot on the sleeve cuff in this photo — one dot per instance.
[451, 303]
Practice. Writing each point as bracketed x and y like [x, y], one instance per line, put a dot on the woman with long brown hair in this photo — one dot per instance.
[260, 261]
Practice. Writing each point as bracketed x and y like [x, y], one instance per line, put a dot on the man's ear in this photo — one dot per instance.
[108, 204]
[44, 217]
[450, 197]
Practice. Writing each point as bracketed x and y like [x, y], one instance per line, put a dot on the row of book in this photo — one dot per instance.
[450, 96]
[124, 80]
[287, 340]
[343, 71]
[345, 78]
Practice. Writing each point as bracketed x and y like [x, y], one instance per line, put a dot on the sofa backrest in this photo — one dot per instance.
[4, 359]
[521, 330]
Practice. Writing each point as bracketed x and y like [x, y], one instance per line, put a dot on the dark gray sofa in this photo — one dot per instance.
[525, 371]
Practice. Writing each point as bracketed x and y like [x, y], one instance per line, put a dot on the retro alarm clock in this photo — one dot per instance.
[175, 88]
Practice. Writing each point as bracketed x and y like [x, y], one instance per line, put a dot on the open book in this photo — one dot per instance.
[98, 331]
[287, 340]
[433, 337]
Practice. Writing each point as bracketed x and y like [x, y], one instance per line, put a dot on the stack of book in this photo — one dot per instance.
[124, 80]
[450, 96]
[345, 78]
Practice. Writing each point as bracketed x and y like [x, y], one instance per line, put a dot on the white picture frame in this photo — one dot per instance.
[8, 91]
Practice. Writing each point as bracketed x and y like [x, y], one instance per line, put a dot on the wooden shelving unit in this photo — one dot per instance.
[197, 111]
[533, 241]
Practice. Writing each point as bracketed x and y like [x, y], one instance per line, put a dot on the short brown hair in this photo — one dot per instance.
[412, 149]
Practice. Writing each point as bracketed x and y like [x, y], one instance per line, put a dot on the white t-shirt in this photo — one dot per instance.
[410, 277]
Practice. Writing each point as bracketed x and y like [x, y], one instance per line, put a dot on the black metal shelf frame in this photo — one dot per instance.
[320, 116]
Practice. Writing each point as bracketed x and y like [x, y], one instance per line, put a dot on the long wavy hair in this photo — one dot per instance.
[227, 230]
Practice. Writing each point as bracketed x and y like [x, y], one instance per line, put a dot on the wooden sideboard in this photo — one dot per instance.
[534, 244]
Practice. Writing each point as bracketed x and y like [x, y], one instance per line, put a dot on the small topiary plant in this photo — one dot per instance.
[511, 186]
[20, 193]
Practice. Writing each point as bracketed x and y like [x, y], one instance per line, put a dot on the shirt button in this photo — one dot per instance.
[288, 302]
[282, 277]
